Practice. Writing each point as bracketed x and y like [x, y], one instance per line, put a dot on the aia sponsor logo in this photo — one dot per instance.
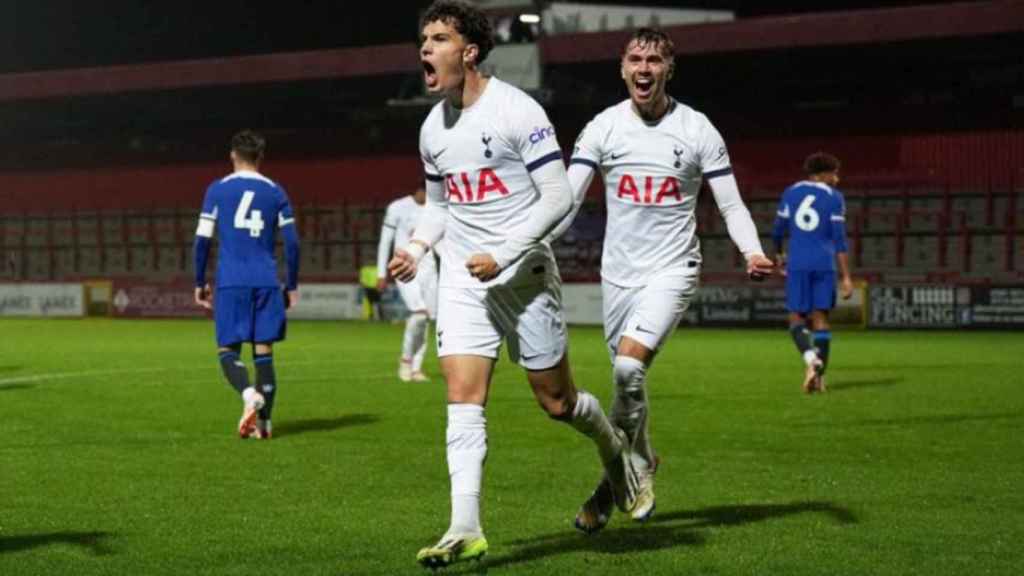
[652, 191]
[465, 187]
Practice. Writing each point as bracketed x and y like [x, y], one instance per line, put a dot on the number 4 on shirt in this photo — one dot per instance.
[254, 223]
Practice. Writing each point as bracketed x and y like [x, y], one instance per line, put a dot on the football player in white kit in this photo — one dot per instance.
[496, 185]
[420, 293]
[653, 154]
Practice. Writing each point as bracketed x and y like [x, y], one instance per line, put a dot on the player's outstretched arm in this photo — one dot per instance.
[580, 176]
[740, 225]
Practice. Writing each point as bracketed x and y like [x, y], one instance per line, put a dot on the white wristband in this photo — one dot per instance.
[416, 250]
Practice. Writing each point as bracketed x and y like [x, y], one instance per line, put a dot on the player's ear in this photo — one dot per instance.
[469, 54]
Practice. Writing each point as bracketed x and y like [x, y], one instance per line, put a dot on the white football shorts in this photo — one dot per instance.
[528, 316]
[647, 314]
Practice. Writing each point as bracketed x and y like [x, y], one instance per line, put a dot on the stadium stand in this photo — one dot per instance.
[929, 194]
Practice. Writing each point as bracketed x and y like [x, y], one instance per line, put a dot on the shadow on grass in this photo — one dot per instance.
[9, 387]
[324, 424]
[665, 530]
[92, 541]
[843, 385]
[6, 369]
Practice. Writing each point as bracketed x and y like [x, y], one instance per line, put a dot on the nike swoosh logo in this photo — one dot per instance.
[438, 155]
[617, 156]
[640, 329]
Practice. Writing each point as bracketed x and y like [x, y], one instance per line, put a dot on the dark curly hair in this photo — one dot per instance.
[820, 162]
[248, 146]
[467, 20]
[645, 36]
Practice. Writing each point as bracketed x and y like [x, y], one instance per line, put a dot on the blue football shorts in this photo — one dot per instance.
[249, 315]
[809, 290]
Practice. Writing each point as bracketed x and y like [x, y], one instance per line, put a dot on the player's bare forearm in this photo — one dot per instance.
[483, 267]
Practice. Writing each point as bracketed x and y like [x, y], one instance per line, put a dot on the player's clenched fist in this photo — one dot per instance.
[402, 266]
[482, 267]
[759, 266]
[202, 296]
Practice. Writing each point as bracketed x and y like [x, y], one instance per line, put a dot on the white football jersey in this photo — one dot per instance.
[400, 219]
[652, 175]
[483, 156]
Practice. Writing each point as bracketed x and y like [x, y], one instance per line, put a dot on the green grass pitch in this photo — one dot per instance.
[118, 455]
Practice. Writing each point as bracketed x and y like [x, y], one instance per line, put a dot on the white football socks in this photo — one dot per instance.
[589, 419]
[629, 408]
[420, 352]
[414, 337]
[467, 450]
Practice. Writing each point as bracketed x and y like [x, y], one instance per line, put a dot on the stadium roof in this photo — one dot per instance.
[869, 26]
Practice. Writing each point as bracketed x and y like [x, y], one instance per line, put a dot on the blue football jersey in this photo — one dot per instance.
[248, 210]
[813, 215]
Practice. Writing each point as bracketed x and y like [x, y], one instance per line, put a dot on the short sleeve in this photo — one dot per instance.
[209, 209]
[714, 157]
[532, 135]
[589, 145]
[839, 208]
[430, 170]
[391, 216]
[285, 215]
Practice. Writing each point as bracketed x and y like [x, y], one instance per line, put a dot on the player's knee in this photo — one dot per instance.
[629, 374]
[558, 408]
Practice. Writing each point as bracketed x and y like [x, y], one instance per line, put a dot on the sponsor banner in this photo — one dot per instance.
[716, 305]
[42, 300]
[994, 307]
[328, 302]
[140, 299]
[935, 306]
[915, 306]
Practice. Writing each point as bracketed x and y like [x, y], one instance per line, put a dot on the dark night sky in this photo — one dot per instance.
[49, 34]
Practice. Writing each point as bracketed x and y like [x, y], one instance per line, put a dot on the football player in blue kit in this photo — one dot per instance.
[813, 214]
[247, 210]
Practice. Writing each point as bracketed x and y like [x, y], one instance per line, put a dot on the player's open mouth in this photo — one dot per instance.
[643, 87]
[429, 74]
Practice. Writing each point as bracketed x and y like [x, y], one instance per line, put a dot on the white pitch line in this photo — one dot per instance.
[29, 378]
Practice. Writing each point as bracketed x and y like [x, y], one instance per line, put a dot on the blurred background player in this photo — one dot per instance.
[496, 185]
[372, 309]
[247, 209]
[813, 214]
[653, 153]
[420, 293]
